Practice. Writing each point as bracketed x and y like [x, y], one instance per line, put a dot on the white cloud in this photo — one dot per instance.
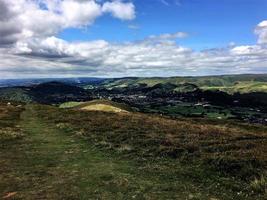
[133, 26]
[170, 2]
[101, 58]
[80, 13]
[124, 11]
[22, 19]
[165, 2]
[169, 36]
[261, 31]
[249, 50]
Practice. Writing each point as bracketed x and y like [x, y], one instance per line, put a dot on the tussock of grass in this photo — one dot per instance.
[10, 134]
[9, 119]
[259, 185]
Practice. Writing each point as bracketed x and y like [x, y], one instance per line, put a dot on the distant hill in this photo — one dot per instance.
[86, 89]
[170, 87]
[30, 82]
[244, 83]
[47, 93]
[20, 94]
[227, 83]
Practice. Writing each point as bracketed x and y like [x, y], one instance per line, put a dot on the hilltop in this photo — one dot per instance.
[98, 105]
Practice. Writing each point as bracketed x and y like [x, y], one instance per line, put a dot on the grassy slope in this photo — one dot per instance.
[98, 105]
[222, 149]
[52, 164]
[62, 157]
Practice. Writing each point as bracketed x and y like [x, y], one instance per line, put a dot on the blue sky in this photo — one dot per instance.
[116, 38]
[210, 23]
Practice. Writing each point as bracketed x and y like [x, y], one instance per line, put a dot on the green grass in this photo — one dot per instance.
[220, 148]
[52, 164]
[69, 154]
[100, 105]
[70, 104]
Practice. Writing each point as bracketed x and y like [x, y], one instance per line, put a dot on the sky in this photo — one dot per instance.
[117, 38]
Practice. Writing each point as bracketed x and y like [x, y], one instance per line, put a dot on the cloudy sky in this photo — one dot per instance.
[115, 38]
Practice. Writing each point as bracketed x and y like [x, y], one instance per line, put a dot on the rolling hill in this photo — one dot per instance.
[245, 83]
[47, 93]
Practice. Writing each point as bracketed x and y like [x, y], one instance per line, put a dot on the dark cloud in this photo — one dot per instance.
[10, 28]
[5, 12]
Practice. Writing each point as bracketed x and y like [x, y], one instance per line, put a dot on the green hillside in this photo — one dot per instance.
[241, 87]
[16, 94]
[227, 83]
[46, 93]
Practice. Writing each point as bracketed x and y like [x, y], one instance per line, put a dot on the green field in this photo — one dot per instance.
[70, 104]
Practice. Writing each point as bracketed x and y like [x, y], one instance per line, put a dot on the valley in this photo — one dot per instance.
[200, 97]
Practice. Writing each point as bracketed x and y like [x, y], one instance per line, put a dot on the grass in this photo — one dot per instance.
[98, 105]
[70, 104]
[9, 119]
[241, 87]
[54, 164]
[72, 154]
[259, 184]
[231, 150]
[103, 107]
